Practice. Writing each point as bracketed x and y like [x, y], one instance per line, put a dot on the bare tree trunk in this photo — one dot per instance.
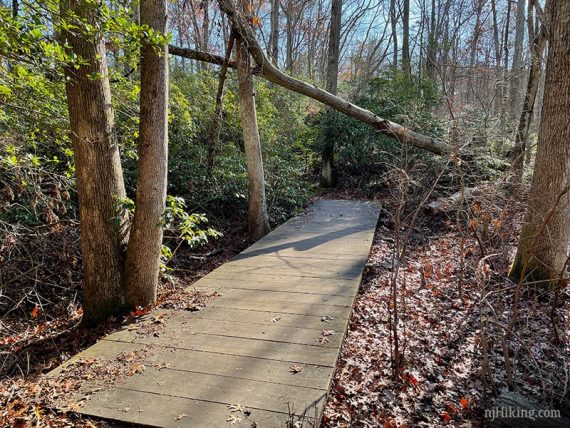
[537, 45]
[274, 32]
[406, 61]
[504, 91]
[328, 176]
[217, 117]
[257, 218]
[205, 29]
[517, 70]
[470, 92]
[393, 26]
[497, 46]
[289, 39]
[145, 244]
[544, 239]
[98, 168]
[432, 44]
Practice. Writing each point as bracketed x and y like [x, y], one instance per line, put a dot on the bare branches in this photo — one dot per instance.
[271, 73]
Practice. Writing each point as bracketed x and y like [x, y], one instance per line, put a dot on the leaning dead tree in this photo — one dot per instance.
[242, 27]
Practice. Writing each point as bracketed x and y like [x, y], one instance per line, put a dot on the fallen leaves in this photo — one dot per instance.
[295, 368]
[36, 312]
[439, 335]
[233, 418]
[324, 336]
[179, 417]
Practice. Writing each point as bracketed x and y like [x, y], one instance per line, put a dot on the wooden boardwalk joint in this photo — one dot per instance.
[284, 307]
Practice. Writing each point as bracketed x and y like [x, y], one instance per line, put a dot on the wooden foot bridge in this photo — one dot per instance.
[263, 353]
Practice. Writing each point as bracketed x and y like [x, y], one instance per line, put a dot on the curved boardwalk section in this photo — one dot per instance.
[263, 353]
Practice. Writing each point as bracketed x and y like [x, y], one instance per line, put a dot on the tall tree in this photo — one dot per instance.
[543, 242]
[394, 34]
[432, 43]
[537, 43]
[145, 242]
[406, 60]
[327, 166]
[97, 162]
[518, 66]
[257, 218]
[274, 32]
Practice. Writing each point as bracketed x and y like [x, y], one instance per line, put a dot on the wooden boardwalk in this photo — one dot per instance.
[284, 307]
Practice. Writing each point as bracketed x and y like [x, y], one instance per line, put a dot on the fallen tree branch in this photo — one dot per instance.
[271, 73]
[199, 56]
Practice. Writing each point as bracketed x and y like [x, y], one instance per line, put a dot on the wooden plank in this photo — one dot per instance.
[175, 412]
[102, 350]
[251, 368]
[295, 262]
[227, 390]
[248, 272]
[272, 350]
[177, 326]
[271, 279]
[294, 287]
[336, 244]
[342, 312]
[263, 317]
[230, 292]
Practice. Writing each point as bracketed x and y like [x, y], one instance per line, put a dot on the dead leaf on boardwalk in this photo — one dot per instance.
[295, 369]
[324, 337]
[183, 415]
[236, 408]
[139, 368]
[275, 319]
[233, 419]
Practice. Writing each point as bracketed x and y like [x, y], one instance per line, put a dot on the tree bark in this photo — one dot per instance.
[537, 45]
[289, 39]
[328, 173]
[406, 60]
[257, 218]
[274, 32]
[517, 70]
[432, 44]
[543, 242]
[98, 167]
[143, 255]
[394, 28]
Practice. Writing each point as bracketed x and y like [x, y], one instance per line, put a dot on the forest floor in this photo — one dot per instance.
[443, 342]
[453, 314]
